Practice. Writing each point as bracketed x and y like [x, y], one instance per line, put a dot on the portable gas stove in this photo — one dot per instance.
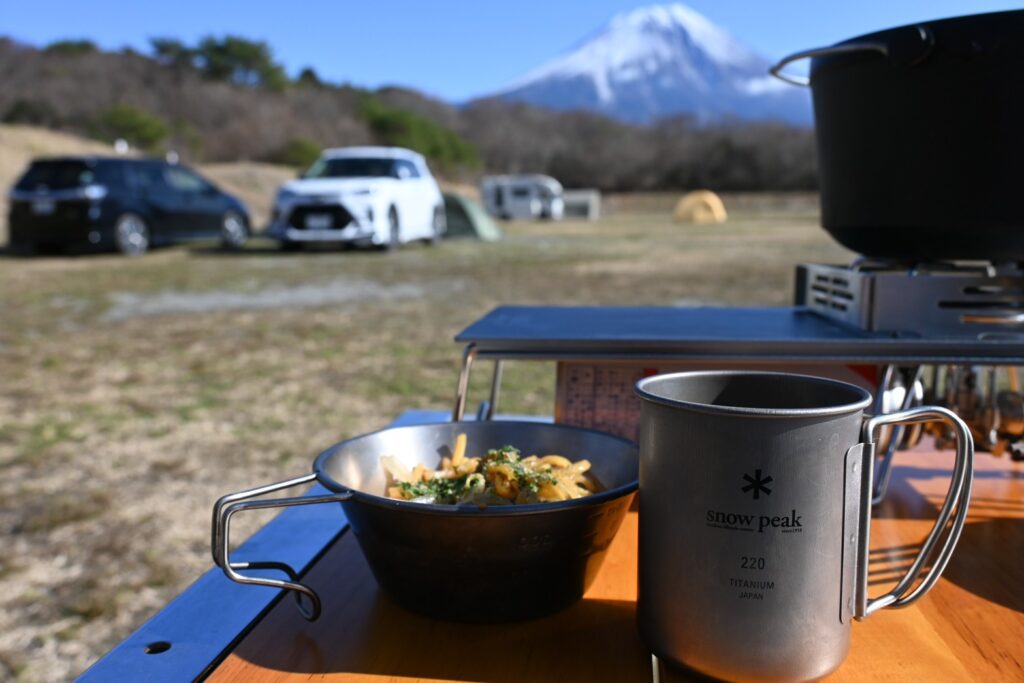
[950, 300]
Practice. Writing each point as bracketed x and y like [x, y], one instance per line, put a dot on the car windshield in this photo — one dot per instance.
[56, 175]
[351, 167]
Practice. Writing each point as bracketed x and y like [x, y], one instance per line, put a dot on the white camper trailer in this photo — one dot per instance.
[528, 197]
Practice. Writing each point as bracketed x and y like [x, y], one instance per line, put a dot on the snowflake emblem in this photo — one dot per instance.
[757, 484]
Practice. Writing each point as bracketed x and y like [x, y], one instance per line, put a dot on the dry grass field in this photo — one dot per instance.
[134, 392]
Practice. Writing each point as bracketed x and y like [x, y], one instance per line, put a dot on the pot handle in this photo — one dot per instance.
[958, 496]
[220, 545]
[795, 79]
[921, 49]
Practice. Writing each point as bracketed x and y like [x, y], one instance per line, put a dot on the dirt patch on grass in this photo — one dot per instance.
[126, 305]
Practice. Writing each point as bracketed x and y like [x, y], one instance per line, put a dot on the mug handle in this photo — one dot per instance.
[958, 496]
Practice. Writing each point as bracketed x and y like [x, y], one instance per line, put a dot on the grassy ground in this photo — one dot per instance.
[134, 392]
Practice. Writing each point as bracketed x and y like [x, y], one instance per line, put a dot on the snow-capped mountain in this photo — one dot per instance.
[658, 61]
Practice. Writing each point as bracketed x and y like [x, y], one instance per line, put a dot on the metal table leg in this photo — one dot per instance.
[487, 408]
[468, 355]
[492, 404]
[883, 468]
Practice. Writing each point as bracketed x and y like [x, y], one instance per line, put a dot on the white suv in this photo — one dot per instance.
[381, 196]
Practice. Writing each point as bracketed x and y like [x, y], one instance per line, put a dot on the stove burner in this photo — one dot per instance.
[967, 300]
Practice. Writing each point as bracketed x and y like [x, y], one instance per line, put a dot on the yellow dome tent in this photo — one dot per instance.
[700, 206]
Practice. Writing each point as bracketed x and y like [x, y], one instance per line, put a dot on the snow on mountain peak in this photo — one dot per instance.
[716, 42]
[644, 60]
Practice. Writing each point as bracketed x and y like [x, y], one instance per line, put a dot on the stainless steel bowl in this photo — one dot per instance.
[500, 563]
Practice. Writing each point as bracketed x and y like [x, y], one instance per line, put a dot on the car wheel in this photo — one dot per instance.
[291, 246]
[438, 226]
[131, 235]
[234, 232]
[394, 230]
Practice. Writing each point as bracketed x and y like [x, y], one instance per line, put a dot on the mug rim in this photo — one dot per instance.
[644, 392]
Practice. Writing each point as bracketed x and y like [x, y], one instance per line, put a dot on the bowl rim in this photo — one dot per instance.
[475, 511]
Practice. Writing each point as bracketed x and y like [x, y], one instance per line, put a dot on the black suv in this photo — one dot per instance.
[128, 204]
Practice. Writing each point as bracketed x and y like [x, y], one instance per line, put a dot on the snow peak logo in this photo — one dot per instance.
[733, 520]
[757, 484]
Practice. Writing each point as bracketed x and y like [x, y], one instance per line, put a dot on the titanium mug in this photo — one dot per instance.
[755, 510]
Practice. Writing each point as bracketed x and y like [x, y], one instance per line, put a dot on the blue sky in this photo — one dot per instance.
[453, 50]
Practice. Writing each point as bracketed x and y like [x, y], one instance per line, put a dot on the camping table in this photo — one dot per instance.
[969, 628]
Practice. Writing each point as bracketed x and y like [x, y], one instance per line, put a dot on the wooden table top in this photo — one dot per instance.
[970, 627]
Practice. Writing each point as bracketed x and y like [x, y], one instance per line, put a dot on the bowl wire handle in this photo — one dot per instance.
[227, 506]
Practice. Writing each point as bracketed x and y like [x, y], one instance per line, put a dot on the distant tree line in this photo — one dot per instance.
[227, 98]
[231, 59]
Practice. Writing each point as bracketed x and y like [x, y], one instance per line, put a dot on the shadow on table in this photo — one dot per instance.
[362, 632]
[585, 643]
[986, 562]
[904, 499]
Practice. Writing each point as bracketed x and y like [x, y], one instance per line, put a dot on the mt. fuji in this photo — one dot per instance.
[660, 61]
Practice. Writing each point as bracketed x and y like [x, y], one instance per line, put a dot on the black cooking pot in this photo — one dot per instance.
[491, 564]
[920, 134]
